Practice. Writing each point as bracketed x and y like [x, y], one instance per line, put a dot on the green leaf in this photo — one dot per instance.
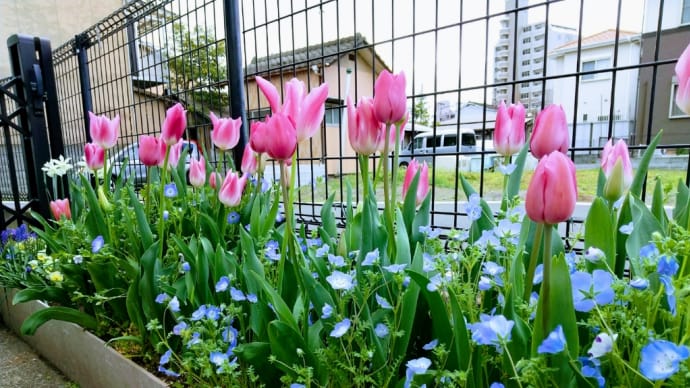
[641, 173]
[486, 221]
[284, 341]
[408, 310]
[144, 228]
[624, 217]
[133, 303]
[422, 218]
[514, 179]
[658, 209]
[644, 225]
[409, 208]
[680, 211]
[147, 282]
[281, 308]
[258, 355]
[251, 263]
[328, 217]
[38, 318]
[47, 294]
[600, 233]
[601, 182]
[403, 256]
[461, 343]
[95, 220]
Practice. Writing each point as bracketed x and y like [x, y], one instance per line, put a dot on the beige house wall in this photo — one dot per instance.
[57, 20]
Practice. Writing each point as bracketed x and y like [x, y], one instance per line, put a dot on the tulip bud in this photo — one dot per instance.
[174, 124]
[226, 132]
[94, 155]
[175, 154]
[150, 150]
[103, 130]
[509, 135]
[214, 178]
[615, 163]
[550, 132]
[60, 208]
[103, 199]
[230, 193]
[364, 130]
[197, 172]
[259, 137]
[683, 78]
[422, 186]
[249, 160]
[390, 99]
[552, 192]
[282, 139]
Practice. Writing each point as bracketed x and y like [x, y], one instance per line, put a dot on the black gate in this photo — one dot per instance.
[31, 133]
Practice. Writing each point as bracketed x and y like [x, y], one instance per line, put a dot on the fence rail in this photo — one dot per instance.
[460, 58]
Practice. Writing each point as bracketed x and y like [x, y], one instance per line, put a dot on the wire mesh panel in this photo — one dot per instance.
[608, 63]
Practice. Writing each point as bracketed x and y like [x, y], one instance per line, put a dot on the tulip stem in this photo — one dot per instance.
[364, 166]
[387, 210]
[545, 293]
[161, 224]
[396, 151]
[534, 255]
[505, 199]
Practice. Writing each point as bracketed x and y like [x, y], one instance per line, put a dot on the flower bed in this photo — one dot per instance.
[222, 287]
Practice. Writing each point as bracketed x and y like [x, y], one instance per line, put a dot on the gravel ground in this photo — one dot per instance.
[21, 367]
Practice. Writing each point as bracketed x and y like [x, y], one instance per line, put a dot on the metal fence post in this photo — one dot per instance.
[81, 43]
[233, 52]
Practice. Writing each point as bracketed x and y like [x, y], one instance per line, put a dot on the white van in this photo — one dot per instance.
[441, 148]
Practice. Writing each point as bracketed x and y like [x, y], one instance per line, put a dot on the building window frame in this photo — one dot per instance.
[685, 12]
[605, 62]
[673, 111]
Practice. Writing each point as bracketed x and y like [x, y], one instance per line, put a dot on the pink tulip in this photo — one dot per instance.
[282, 139]
[197, 171]
[59, 208]
[390, 100]
[550, 132]
[509, 135]
[174, 124]
[259, 138]
[366, 133]
[305, 110]
[615, 162]
[250, 162]
[683, 78]
[103, 130]
[150, 150]
[175, 154]
[94, 155]
[226, 132]
[230, 193]
[214, 178]
[552, 192]
[422, 186]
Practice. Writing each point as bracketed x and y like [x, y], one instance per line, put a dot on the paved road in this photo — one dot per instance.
[21, 367]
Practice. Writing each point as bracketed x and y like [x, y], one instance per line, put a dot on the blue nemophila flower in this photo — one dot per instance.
[414, 367]
[336, 261]
[233, 218]
[639, 283]
[168, 372]
[507, 169]
[314, 242]
[591, 368]
[177, 329]
[435, 282]
[170, 190]
[670, 291]
[429, 232]
[162, 298]
[371, 258]
[340, 328]
[97, 244]
[554, 343]
[508, 230]
[431, 345]
[649, 251]
[383, 302]
[496, 385]
[297, 385]
[272, 250]
[538, 274]
[571, 260]
[185, 266]
[491, 330]
[326, 311]
[492, 269]
[223, 284]
[594, 254]
[489, 239]
[602, 345]
[166, 215]
[218, 358]
[473, 207]
[174, 304]
[485, 283]
[323, 250]
[212, 313]
[340, 281]
[196, 339]
[230, 336]
[237, 295]
[661, 359]
[200, 313]
[395, 268]
[591, 289]
[667, 265]
[165, 358]
[252, 298]
[381, 330]
[627, 228]
[28, 269]
[78, 259]
[428, 263]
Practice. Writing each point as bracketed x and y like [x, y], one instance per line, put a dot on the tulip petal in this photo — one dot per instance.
[271, 94]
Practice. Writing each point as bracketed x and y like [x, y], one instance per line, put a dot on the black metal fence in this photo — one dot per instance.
[608, 63]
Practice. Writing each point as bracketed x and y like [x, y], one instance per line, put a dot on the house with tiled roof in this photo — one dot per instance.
[349, 65]
[590, 113]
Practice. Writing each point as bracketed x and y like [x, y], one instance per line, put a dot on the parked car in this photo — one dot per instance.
[439, 150]
[135, 170]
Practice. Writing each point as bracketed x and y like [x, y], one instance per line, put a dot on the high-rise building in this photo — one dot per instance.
[520, 54]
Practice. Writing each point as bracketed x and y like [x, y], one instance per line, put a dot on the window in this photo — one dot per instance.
[258, 114]
[450, 140]
[584, 117]
[419, 142]
[674, 111]
[526, 51]
[538, 60]
[525, 62]
[598, 64]
[525, 73]
[536, 71]
[685, 12]
[526, 40]
[538, 49]
[525, 84]
[524, 96]
[437, 142]
[526, 29]
[332, 116]
[539, 37]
